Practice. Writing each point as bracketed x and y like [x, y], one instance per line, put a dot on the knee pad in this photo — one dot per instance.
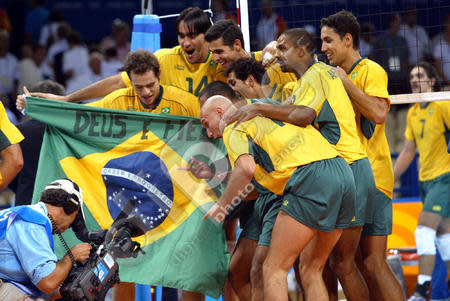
[425, 240]
[443, 245]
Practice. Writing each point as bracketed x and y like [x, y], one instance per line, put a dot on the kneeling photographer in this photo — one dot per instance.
[30, 269]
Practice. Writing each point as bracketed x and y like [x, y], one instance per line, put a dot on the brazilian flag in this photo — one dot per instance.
[117, 157]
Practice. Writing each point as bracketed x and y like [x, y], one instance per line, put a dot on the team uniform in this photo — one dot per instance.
[372, 80]
[178, 72]
[9, 134]
[321, 89]
[288, 169]
[429, 128]
[171, 101]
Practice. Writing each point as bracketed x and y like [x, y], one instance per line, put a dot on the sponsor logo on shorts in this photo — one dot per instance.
[353, 219]
[437, 208]
[285, 202]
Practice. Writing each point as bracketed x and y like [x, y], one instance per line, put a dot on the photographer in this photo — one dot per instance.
[30, 269]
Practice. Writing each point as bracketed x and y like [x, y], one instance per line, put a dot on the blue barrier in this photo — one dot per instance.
[409, 181]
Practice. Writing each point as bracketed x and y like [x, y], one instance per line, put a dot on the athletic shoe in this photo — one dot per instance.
[421, 292]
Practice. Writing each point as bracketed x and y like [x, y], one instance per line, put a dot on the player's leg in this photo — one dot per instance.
[342, 261]
[331, 281]
[312, 261]
[289, 238]
[240, 265]
[378, 274]
[124, 291]
[228, 293]
[192, 296]
[256, 274]
[381, 280]
[435, 197]
[267, 208]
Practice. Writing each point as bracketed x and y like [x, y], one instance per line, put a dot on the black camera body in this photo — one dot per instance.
[92, 279]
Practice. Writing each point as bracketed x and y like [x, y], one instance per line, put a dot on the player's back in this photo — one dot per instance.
[321, 89]
[278, 148]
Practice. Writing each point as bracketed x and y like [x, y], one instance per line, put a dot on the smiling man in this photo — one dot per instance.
[146, 93]
[226, 42]
[366, 84]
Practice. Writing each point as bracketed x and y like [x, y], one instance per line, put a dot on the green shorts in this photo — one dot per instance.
[382, 218]
[250, 225]
[259, 224]
[365, 192]
[321, 195]
[435, 195]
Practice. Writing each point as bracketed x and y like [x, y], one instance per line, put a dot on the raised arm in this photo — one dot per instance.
[96, 90]
[295, 114]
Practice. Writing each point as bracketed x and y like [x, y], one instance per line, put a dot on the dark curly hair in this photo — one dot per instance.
[141, 61]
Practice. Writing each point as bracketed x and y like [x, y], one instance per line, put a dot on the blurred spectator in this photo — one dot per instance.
[416, 37]
[32, 58]
[111, 64]
[56, 51]
[75, 63]
[35, 20]
[366, 41]
[390, 50]
[4, 21]
[270, 26]
[49, 33]
[9, 73]
[441, 52]
[95, 67]
[119, 39]
[221, 11]
[33, 131]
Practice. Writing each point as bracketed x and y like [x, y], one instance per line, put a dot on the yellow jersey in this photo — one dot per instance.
[429, 128]
[171, 101]
[372, 80]
[278, 148]
[9, 134]
[321, 89]
[177, 71]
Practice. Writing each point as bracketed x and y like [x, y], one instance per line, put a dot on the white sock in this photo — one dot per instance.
[423, 278]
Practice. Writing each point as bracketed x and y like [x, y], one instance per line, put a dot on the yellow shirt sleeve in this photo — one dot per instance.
[236, 143]
[126, 79]
[9, 134]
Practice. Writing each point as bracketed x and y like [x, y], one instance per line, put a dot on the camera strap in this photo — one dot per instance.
[61, 238]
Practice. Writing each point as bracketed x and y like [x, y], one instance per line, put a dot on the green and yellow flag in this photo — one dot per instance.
[122, 156]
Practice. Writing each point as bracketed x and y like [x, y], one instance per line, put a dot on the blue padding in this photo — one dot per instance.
[147, 28]
[406, 200]
[143, 292]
